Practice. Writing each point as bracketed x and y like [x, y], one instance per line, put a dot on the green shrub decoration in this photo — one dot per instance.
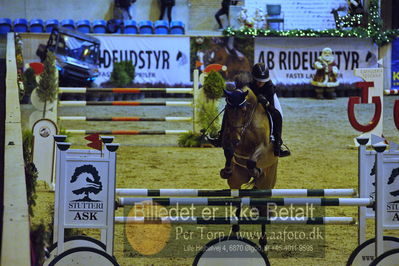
[190, 139]
[30, 82]
[206, 114]
[31, 172]
[119, 76]
[213, 85]
[27, 142]
[48, 84]
[123, 73]
[207, 110]
[38, 236]
[129, 68]
[20, 65]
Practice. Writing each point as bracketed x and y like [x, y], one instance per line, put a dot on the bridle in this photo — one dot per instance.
[235, 106]
[244, 126]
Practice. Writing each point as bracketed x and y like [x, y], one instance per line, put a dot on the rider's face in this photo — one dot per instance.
[259, 84]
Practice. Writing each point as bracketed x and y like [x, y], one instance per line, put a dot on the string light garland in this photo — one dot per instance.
[374, 29]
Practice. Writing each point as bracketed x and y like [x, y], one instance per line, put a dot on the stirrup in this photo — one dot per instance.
[284, 153]
[280, 152]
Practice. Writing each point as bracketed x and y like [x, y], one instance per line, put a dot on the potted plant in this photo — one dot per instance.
[45, 94]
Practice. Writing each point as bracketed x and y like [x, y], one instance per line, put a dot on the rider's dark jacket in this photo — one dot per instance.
[267, 90]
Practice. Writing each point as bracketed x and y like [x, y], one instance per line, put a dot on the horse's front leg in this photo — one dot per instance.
[226, 172]
[257, 172]
[254, 171]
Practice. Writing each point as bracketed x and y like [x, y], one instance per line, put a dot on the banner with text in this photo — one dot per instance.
[157, 59]
[395, 64]
[291, 60]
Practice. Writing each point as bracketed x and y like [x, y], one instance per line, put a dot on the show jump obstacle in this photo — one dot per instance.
[84, 198]
[186, 103]
[44, 129]
[86, 192]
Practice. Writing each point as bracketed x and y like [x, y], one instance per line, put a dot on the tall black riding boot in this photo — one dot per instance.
[277, 128]
[278, 151]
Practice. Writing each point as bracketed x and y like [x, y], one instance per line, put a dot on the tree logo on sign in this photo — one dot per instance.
[392, 177]
[88, 175]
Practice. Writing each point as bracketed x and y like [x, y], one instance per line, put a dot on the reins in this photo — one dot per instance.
[245, 126]
[203, 131]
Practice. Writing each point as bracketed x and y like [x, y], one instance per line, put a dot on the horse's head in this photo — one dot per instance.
[238, 114]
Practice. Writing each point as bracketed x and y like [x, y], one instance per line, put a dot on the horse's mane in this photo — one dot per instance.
[251, 97]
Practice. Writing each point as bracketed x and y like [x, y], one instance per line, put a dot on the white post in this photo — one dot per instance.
[362, 187]
[110, 148]
[379, 199]
[57, 138]
[60, 207]
[195, 99]
[43, 150]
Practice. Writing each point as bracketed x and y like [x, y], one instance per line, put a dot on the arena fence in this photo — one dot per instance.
[239, 198]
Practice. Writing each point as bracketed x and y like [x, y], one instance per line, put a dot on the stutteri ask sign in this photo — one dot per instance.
[85, 192]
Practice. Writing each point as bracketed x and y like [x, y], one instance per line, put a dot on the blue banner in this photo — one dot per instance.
[395, 64]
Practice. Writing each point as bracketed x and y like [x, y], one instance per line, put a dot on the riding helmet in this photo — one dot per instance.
[260, 72]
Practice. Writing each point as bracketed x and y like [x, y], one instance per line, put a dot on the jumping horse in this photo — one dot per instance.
[247, 131]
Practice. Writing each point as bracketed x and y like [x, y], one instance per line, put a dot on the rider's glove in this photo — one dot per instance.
[262, 99]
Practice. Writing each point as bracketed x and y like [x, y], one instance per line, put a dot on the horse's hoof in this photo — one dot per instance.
[225, 173]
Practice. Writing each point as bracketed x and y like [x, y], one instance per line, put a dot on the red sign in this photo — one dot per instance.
[95, 143]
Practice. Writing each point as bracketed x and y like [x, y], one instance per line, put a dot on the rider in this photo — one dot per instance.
[265, 90]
